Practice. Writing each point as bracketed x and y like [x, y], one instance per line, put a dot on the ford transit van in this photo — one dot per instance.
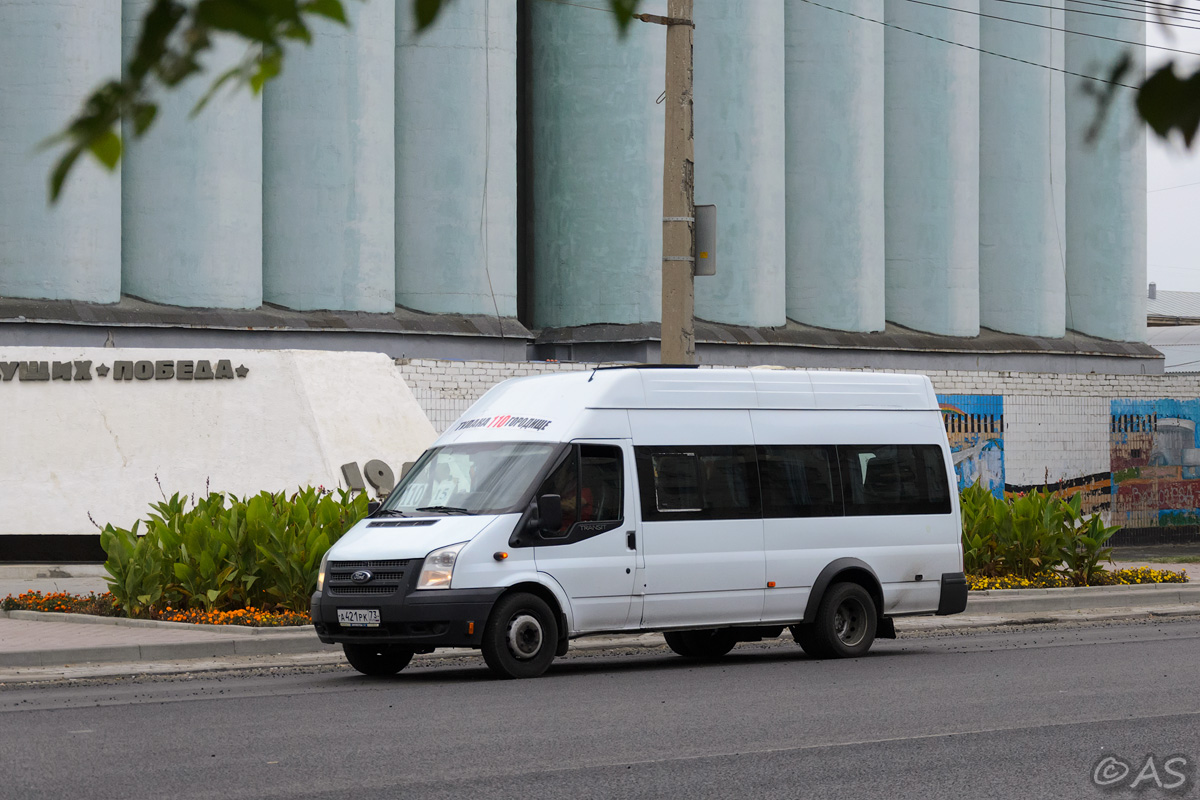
[713, 505]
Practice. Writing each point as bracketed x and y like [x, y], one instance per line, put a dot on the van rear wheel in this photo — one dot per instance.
[521, 637]
[700, 644]
[377, 660]
[845, 624]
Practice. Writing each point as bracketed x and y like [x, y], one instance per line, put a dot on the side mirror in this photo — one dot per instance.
[373, 506]
[549, 512]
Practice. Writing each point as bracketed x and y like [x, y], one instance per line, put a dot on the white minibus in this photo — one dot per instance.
[716, 506]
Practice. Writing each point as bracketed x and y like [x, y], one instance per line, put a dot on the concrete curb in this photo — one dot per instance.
[1002, 601]
[171, 651]
[33, 572]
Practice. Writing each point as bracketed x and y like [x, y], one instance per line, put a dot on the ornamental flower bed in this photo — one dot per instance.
[1053, 580]
[105, 605]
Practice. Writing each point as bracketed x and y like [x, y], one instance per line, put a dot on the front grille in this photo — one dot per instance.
[361, 590]
[353, 565]
[387, 577]
[379, 577]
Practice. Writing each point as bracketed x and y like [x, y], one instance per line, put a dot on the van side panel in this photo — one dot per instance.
[897, 547]
[698, 571]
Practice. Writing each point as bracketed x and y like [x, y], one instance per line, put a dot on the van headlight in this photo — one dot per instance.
[321, 572]
[439, 567]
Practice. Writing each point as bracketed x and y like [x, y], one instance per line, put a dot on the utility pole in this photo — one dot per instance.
[679, 203]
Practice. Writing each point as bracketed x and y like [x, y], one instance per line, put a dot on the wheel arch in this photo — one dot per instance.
[844, 570]
[547, 595]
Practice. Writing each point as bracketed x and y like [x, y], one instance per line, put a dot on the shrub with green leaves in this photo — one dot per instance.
[1031, 534]
[225, 553]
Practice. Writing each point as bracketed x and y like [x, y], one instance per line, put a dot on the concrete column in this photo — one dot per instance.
[835, 143]
[52, 55]
[932, 168]
[739, 97]
[329, 180]
[456, 156]
[597, 166]
[1106, 186]
[1021, 251]
[192, 192]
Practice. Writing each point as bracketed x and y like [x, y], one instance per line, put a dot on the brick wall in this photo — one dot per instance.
[1057, 428]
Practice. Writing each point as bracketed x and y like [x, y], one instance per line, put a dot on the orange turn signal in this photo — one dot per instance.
[770, 584]
[499, 556]
[470, 628]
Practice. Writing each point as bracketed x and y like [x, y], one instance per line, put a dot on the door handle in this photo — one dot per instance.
[631, 540]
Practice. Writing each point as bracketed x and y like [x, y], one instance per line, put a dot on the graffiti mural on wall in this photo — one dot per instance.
[1155, 463]
[975, 427]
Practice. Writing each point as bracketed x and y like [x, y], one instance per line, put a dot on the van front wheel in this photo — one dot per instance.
[845, 624]
[521, 637]
[377, 660]
[700, 644]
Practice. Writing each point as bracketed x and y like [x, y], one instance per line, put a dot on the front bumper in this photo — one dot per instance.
[421, 619]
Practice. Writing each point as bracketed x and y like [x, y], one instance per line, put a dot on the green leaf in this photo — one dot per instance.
[624, 11]
[426, 11]
[246, 19]
[330, 9]
[269, 66]
[143, 117]
[212, 595]
[221, 80]
[61, 168]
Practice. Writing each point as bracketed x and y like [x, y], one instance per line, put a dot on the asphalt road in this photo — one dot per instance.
[1010, 713]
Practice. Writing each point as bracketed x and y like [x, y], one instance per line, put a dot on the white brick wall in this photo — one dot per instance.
[445, 389]
[1056, 426]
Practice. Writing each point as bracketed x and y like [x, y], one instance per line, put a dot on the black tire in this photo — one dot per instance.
[711, 644]
[377, 660]
[521, 637]
[845, 624]
[806, 637]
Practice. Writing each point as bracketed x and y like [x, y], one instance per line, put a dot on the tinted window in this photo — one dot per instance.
[894, 479]
[799, 481]
[680, 483]
[595, 498]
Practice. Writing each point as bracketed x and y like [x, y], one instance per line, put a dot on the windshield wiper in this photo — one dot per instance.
[445, 509]
[389, 512]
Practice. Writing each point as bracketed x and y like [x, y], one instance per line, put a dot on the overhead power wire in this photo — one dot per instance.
[1142, 6]
[579, 5]
[968, 46]
[1169, 188]
[1052, 28]
[1098, 14]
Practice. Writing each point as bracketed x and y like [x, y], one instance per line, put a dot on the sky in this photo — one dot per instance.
[1172, 183]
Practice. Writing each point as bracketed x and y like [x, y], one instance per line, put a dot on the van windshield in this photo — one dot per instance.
[476, 478]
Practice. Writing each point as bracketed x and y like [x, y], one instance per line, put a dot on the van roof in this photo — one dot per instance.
[667, 387]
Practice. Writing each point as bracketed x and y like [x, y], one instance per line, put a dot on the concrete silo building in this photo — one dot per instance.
[899, 186]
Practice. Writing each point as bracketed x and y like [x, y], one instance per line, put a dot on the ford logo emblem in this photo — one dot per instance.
[362, 576]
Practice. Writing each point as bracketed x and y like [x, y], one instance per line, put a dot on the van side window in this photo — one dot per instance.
[799, 481]
[689, 483]
[893, 479]
[601, 489]
[595, 498]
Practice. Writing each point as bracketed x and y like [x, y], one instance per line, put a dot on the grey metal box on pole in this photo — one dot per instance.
[706, 240]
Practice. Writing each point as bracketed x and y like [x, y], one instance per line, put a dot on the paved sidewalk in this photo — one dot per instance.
[46, 646]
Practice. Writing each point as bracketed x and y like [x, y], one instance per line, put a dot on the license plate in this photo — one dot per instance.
[358, 617]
